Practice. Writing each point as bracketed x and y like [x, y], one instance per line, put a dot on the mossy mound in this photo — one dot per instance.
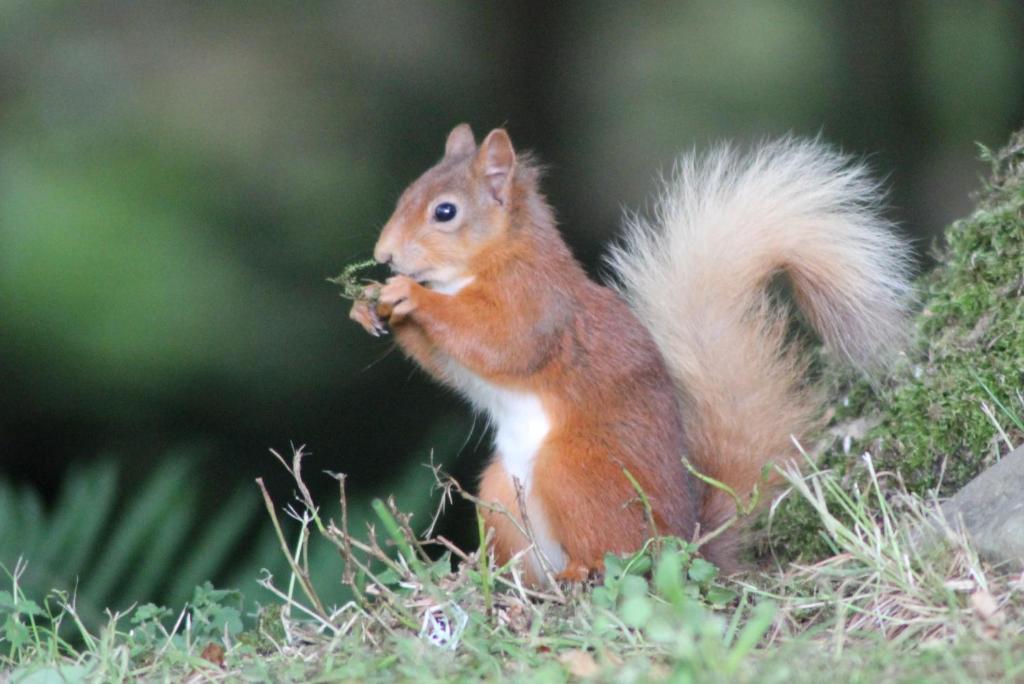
[958, 403]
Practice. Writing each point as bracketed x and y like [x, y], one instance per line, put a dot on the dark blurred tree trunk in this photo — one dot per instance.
[877, 41]
[535, 51]
[540, 42]
[1017, 17]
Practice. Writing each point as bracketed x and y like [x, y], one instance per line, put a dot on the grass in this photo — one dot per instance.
[891, 604]
[881, 588]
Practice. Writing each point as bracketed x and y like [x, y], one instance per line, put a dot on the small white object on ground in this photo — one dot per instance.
[443, 625]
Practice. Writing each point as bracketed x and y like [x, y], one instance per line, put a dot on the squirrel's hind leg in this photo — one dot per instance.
[502, 515]
[506, 520]
[592, 507]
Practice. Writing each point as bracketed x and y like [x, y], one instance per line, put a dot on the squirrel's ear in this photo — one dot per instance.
[495, 161]
[460, 141]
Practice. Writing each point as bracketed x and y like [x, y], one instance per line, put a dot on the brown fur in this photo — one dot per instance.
[530, 320]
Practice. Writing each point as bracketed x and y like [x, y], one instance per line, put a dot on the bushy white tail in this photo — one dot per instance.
[697, 275]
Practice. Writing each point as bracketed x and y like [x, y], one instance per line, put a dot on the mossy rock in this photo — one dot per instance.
[937, 417]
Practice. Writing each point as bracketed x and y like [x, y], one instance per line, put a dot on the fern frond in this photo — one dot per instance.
[113, 546]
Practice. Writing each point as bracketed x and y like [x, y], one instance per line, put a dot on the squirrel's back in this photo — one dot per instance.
[698, 276]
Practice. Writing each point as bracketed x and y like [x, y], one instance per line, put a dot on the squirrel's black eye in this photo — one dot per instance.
[445, 211]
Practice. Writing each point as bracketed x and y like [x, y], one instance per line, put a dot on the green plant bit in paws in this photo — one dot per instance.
[355, 288]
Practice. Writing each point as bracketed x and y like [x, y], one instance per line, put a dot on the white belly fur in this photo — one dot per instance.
[520, 426]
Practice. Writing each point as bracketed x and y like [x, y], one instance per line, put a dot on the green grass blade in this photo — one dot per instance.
[83, 508]
[1017, 421]
[138, 526]
[29, 534]
[8, 523]
[210, 551]
[155, 564]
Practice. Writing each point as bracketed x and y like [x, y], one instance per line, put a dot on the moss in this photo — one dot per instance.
[969, 352]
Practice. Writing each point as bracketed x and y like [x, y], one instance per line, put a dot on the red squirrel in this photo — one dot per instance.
[688, 358]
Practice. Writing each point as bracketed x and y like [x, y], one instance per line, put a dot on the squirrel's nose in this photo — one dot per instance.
[387, 244]
[382, 256]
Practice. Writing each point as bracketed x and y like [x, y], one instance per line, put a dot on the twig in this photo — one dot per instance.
[545, 562]
[303, 577]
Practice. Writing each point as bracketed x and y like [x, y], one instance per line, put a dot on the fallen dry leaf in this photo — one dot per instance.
[214, 653]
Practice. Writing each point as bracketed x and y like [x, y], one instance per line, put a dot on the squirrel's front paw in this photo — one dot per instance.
[364, 312]
[400, 293]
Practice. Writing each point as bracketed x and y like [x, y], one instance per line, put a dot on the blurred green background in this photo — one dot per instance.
[177, 180]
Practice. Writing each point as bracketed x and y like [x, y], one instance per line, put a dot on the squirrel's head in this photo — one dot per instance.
[453, 212]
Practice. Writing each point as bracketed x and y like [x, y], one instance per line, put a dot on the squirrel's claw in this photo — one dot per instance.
[364, 313]
[370, 313]
[378, 325]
